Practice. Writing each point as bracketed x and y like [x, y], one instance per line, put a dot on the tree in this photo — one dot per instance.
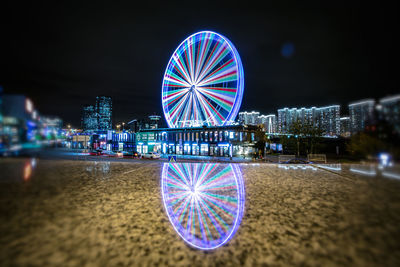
[363, 145]
[261, 139]
[305, 135]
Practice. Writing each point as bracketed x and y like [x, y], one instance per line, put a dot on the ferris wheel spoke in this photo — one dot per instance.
[175, 79]
[224, 201]
[206, 67]
[181, 210]
[177, 182]
[180, 66]
[216, 220]
[206, 233]
[226, 68]
[174, 96]
[175, 92]
[206, 106]
[186, 110]
[215, 46]
[177, 198]
[201, 48]
[223, 101]
[176, 110]
[181, 174]
[180, 74]
[206, 172]
[225, 214]
[215, 100]
[187, 60]
[205, 48]
[199, 111]
[217, 59]
[192, 57]
[221, 207]
[212, 179]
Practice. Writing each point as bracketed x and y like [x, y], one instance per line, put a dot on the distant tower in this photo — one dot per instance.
[154, 121]
[89, 118]
[104, 112]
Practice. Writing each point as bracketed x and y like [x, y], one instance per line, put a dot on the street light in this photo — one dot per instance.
[123, 126]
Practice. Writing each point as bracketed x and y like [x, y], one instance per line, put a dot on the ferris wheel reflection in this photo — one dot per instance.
[204, 201]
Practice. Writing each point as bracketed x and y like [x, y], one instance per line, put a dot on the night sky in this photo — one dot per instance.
[294, 54]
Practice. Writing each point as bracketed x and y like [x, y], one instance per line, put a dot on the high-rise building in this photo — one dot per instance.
[361, 115]
[249, 118]
[345, 126]
[104, 112]
[327, 118]
[389, 111]
[269, 122]
[89, 118]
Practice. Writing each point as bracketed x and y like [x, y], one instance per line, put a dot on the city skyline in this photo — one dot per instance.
[290, 58]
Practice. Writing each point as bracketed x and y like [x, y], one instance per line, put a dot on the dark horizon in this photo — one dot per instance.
[293, 54]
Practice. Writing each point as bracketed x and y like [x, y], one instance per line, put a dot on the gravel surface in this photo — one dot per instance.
[85, 213]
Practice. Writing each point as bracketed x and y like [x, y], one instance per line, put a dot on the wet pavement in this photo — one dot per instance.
[107, 213]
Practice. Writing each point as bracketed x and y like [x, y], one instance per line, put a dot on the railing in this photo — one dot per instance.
[284, 158]
[316, 157]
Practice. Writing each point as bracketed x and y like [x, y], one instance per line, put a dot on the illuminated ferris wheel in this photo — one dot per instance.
[203, 82]
[204, 201]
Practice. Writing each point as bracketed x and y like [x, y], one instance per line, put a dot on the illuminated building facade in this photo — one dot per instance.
[99, 116]
[222, 141]
[345, 126]
[389, 111]
[22, 126]
[269, 123]
[121, 141]
[20, 120]
[104, 112]
[326, 118]
[89, 118]
[249, 118]
[361, 115]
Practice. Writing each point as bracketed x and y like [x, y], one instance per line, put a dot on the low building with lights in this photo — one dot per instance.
[221, 141]
[121, 141]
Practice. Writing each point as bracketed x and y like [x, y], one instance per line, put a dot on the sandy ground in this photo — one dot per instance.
[77, 213]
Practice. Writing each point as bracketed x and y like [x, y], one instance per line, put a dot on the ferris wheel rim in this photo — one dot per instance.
[239, 87]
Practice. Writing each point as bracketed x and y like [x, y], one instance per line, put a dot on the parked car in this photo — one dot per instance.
[151, 155]
[130, 154]
[110, 153]
[96, 152]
